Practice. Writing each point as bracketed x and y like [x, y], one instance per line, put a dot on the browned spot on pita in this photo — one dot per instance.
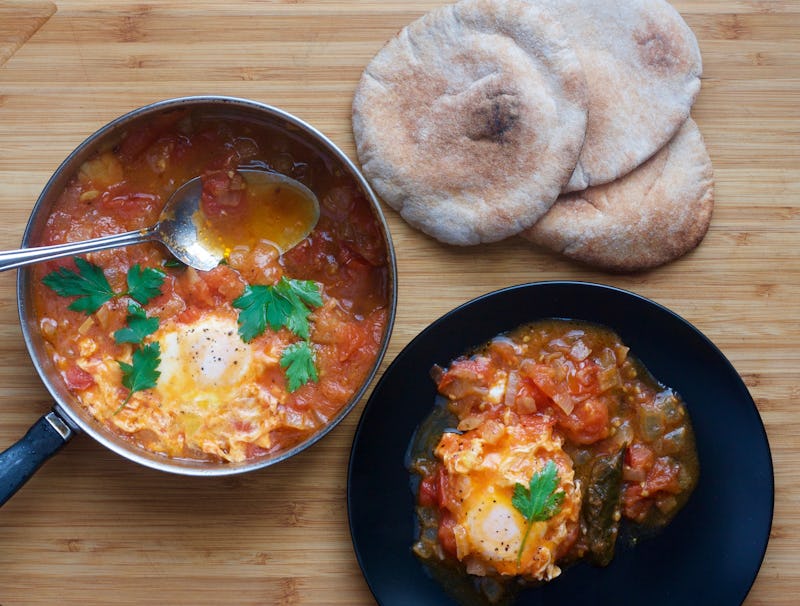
[494, 117]
[659, 47]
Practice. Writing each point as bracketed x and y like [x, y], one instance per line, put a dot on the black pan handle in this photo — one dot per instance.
[21, 460]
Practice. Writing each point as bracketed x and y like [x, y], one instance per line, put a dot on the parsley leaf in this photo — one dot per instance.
[539, 501]
[298, 360]
[302, 295]
[253, 305]
[89, 284]
[306, 290]
[144, 284]
[139, 326]
[173, 263]
[91, 287]
[142, 373]
[285, 304]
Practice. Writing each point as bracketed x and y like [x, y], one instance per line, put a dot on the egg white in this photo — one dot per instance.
[203, 363]
[209, 386]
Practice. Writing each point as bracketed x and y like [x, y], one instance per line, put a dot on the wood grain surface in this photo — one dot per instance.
[92, 528]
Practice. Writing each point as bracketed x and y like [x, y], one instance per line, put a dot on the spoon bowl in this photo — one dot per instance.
[191, 236]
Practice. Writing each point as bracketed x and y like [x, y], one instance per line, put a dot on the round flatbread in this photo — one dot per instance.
[642, 66]
[469, 122]
[654, 214]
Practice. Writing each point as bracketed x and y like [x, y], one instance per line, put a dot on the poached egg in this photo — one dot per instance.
[482, 467]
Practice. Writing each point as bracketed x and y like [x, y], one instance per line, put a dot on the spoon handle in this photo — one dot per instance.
[11, 259]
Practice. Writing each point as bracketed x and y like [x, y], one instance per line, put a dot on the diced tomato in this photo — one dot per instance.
[545, 378]
[538, 424]
[144, 136]
[194, 289]
[429, 491]
[447, 538]
[463, 373]
[634, 504]
[639, 456]
[225, 281]
[356, 281]
[167, 153]
[347, 218]
[210, 288]
[339, 204]
[663, 477]
[223, 194]
[78, 379]
[351, 339]
[530, 398]
[189, 315]
[588, 422]
[582, 379]
[434, 490]
[131, 205]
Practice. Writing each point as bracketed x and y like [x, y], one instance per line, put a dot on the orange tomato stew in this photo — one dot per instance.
[245, 360]
[542, 445]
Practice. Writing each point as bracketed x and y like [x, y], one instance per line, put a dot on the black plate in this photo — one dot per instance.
[709, 554]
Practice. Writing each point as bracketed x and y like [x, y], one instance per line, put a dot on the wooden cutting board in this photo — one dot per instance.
[92, 528]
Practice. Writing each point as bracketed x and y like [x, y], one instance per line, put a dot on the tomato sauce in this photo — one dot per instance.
[125, 188]
[629, 438]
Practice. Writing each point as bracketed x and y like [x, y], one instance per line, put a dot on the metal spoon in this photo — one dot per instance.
[177, 228]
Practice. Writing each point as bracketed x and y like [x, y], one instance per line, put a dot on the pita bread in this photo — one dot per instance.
[642, 66]
[655, 214]
[469, 122]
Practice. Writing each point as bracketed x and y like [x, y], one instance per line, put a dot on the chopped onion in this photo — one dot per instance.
[87, 324]
[470, 422]
[492, 431]
[579, 351]
[651, 424]
[564, 402]
[672, 442]
[634, 474]
[609, 378]
[49, 327]
[666, 503]
[512, 386]
[102, 316]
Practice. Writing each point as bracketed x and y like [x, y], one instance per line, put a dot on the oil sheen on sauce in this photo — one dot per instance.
[280, 213]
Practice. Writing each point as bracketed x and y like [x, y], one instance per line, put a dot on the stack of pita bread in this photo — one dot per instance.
[564, 121]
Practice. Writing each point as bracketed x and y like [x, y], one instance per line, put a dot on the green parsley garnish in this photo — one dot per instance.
[144, 284]
[91, 287]
[89, 284]
[298, 360]
[287, 304]
[142, 373]
[172, 262]
[139, 326]
[539, 501]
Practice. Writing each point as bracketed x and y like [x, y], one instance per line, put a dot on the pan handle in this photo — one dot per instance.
[21, 460]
